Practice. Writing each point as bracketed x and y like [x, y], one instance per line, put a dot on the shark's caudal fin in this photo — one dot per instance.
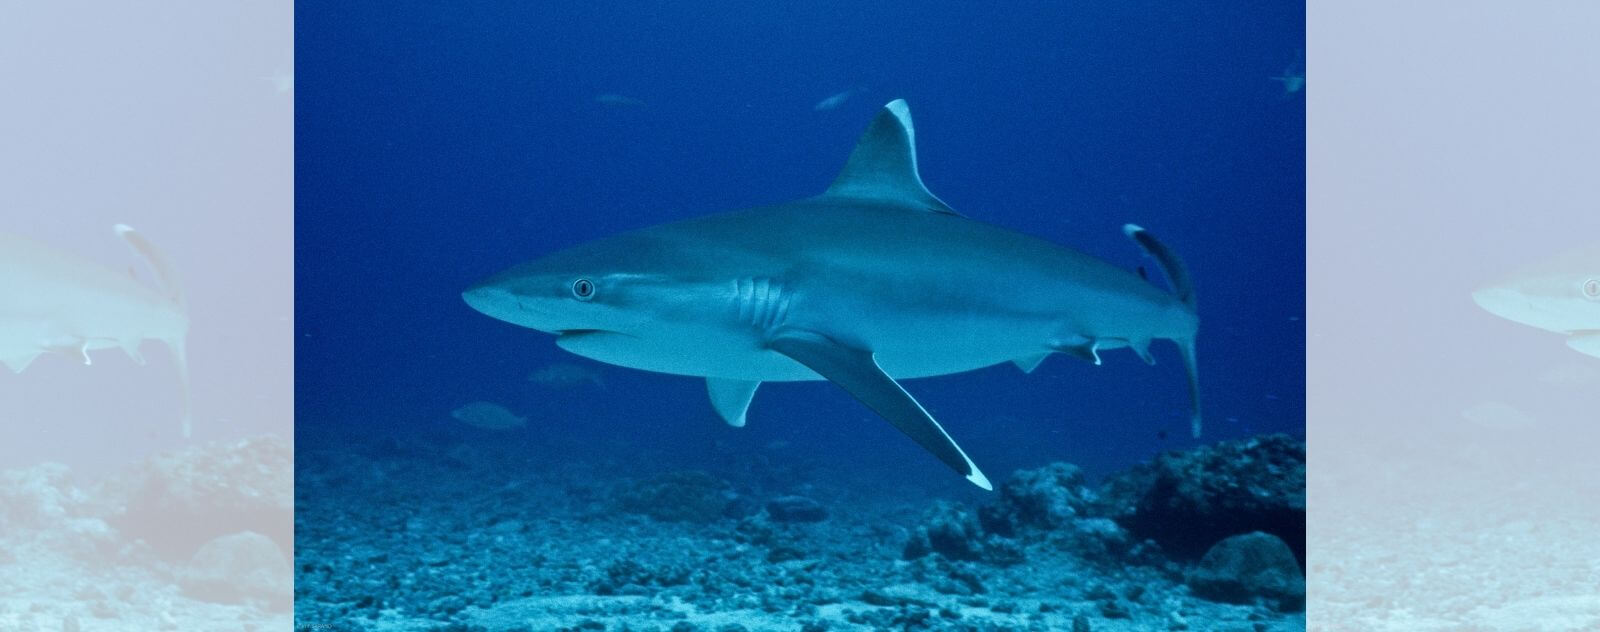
[1183, 288]
[884, 164]
[168, 280]
[858, 373]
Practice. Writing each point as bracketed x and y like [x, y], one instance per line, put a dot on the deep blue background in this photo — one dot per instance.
[437, 144]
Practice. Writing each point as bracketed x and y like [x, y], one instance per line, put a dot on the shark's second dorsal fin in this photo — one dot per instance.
[884, 164]
[158, 262]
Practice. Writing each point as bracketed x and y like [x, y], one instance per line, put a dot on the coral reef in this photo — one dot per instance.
[391, 544]
[1188, 501]
[150, 547]
[1250, 568]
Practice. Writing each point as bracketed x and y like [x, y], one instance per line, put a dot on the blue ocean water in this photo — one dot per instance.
[438, 144]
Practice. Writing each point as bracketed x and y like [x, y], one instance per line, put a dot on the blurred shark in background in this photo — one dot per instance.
[55, 301]
[1560, 295]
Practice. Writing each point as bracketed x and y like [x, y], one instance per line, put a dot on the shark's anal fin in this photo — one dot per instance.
[884, 164]
[858, 373]
[731, 398]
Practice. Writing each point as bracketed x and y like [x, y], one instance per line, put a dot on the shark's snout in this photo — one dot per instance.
[492, 300]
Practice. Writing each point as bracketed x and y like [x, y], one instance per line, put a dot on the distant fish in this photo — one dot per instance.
[1292, 83]
[835, 101]
[614, 100]
[489, 416]
[1293, 77]
[53, 301]
[566, 375]
[282, 82]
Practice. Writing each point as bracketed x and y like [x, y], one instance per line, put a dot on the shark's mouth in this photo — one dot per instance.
[574, 335]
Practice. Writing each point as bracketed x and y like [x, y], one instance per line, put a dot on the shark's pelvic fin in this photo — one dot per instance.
[20, 360]
[731, 398]
[1030, 363]
[1081, 348]
[858, 373]
[884, 164]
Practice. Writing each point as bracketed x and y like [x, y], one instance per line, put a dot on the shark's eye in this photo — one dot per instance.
[1591, 289]
[583, 289]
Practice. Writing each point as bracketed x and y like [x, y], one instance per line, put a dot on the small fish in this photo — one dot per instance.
[282, 82]
[566, 375]
[489, 416]
[835, 101]
[1292, 82]
[1293, 77]
[611, 99]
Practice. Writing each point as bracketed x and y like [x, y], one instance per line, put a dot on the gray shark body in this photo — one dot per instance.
[1560, 295]
[52, 301]
[873, 281]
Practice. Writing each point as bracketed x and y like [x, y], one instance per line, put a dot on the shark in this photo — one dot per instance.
[1559, 295]
[52, 301]
[872, 282]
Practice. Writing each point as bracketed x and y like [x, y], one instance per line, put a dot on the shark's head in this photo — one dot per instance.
[596, 305]
[1562, 300]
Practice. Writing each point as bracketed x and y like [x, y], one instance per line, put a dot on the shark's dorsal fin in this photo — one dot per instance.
[884, 164]
[158, 262]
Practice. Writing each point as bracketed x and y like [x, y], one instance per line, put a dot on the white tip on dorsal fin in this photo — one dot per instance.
[884, 164]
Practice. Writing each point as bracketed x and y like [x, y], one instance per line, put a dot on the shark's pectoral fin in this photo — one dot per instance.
[1032, 362]
[857, 372]
[731, 398]
[1585, 342]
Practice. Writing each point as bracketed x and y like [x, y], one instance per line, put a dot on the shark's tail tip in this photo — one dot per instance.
[980, 480]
